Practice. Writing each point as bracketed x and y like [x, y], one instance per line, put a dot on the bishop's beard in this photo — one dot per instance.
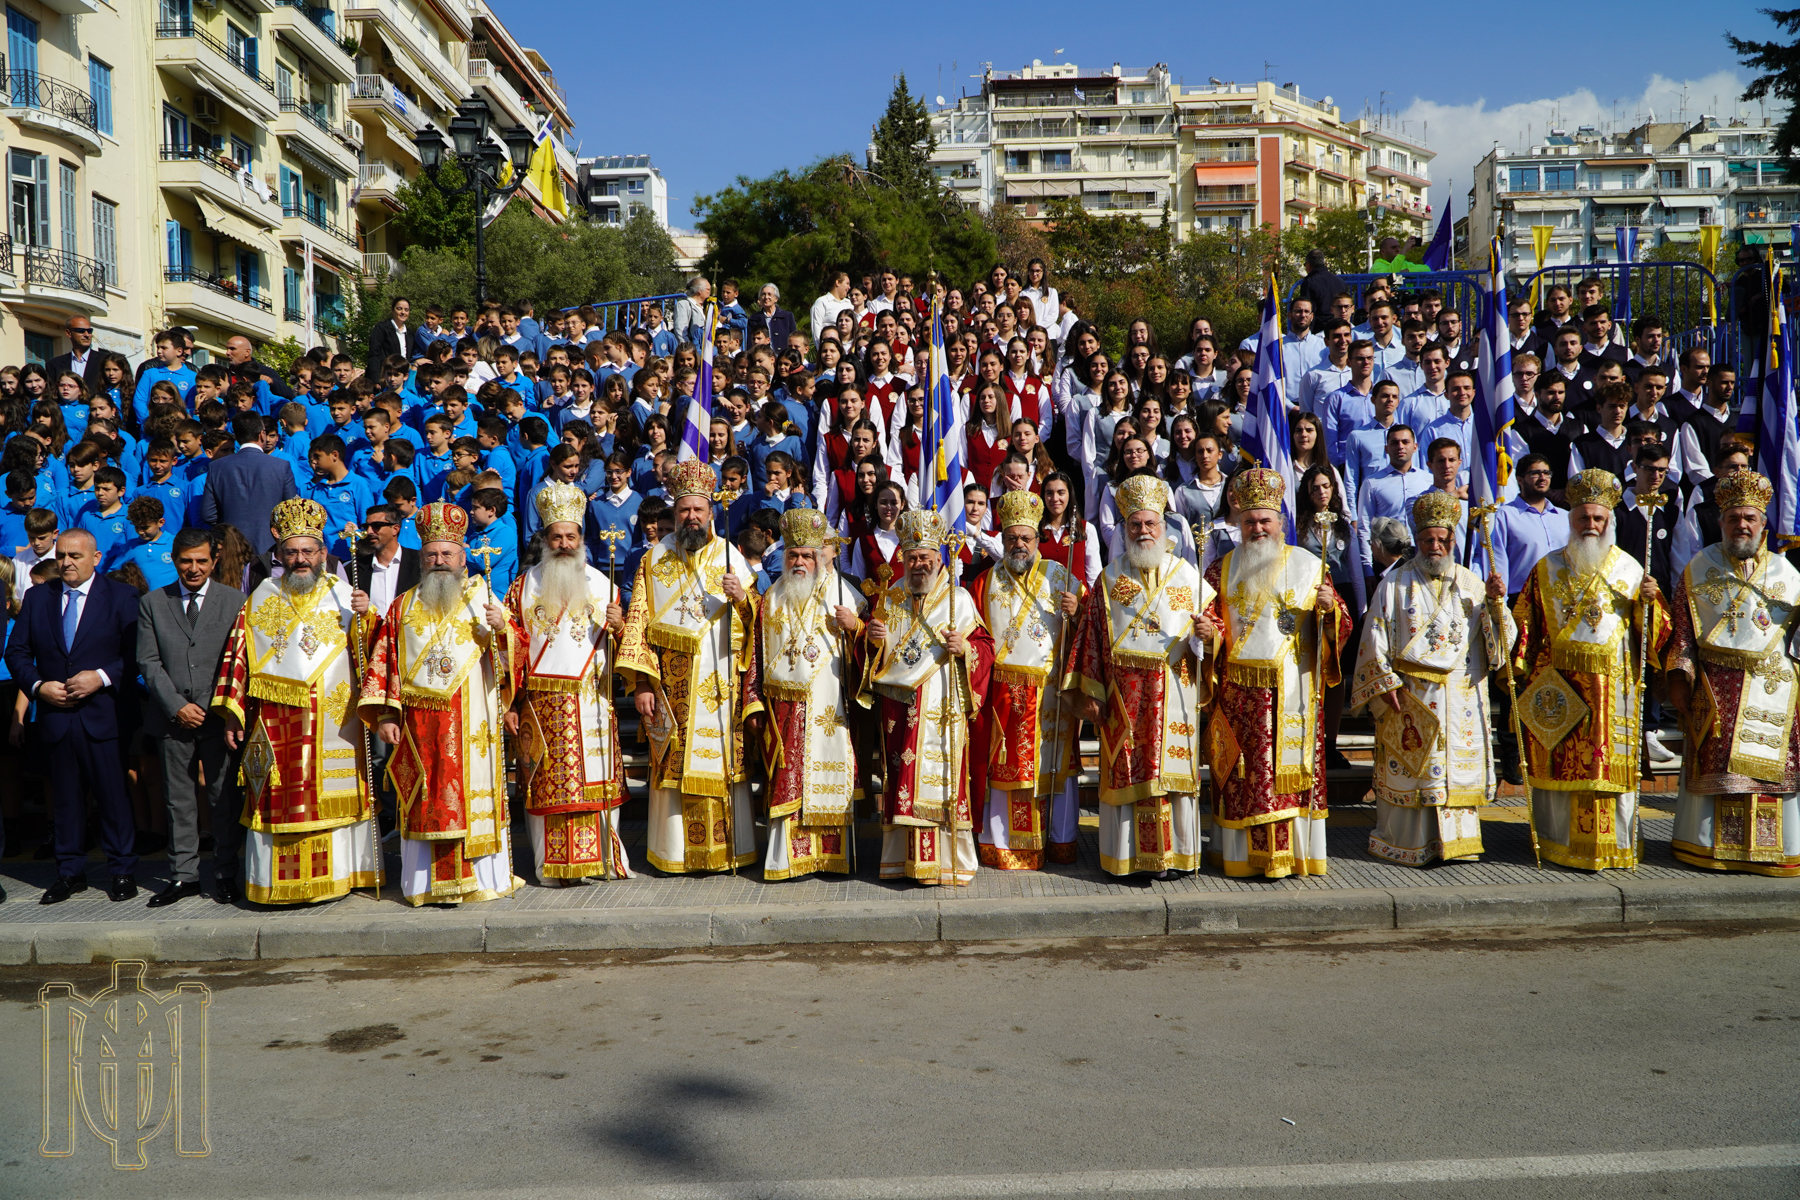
[1254, 563]
[440, 590]
[792, 592]
[689, 540]
[1585, 554]
[301, 581]
[562, 583]
[1436, 565]
[1146, 556]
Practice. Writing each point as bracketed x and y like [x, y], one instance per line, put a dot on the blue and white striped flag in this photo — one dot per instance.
[1496, 442]
[942, 448]
[1266, 419]
[1625, 240]
[696, 434]
[1775, 421]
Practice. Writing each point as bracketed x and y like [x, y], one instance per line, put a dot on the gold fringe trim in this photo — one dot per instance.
[554, 683]
[784, 691]
[1290, 781]
[1133, 658]
[673, 637]
[1703, 857]
[280, 691]
[1245, 675]
[1021, 674]
[1581, 656]
[1425, 673]
[420, 698]
[1148, 790]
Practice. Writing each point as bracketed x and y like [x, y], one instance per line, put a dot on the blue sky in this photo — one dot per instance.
[711, 92]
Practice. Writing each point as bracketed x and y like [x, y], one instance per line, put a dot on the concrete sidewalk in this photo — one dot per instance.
[1078, 900]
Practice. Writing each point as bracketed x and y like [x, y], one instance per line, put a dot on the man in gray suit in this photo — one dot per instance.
[243, 488]
[182, 630]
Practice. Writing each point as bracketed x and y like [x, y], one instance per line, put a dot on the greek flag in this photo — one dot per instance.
[696, 434]
[1774, 419]
[1625, 240]
[1496, 442]
[1265, 420]
[941, 446]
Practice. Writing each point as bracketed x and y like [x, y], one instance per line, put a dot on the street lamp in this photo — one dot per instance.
[481, 163]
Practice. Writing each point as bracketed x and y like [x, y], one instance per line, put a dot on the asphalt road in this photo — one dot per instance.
[1616, 1065]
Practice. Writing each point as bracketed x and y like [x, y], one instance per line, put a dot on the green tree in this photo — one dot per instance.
[1779, 63]
[795, 229]
[1114, 270]
[902, 144]
[433, 216]
[1226, 272]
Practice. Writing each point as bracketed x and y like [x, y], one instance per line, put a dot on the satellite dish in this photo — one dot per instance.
[940, 101]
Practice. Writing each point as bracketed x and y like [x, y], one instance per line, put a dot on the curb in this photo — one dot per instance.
[1586, 904]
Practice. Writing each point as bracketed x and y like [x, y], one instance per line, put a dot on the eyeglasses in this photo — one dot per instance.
[374, 525]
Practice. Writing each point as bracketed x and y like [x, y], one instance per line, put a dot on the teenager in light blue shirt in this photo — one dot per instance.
[172, 367]
[346, 498]
[104, 516]
[161, 483]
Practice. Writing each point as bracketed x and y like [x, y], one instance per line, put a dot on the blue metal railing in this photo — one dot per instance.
[627, 315]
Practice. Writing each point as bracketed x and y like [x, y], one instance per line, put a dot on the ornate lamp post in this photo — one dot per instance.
[480, 160]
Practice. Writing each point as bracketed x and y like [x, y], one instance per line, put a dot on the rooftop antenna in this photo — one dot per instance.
[1383, 109]
[1268, 67]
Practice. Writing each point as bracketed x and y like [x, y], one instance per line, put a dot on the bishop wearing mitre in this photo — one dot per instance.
[927, 657]
[284, 692]
[683, 653]
[1432, 635]
[1140, 657]
[1584, 616]
[1027, 754]
[438, 682]
[1283, 626]
[801, 681]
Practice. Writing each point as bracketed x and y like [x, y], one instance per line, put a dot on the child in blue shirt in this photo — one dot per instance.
[345, 497]
[152, 551]
[104, 516]
[171, 353]
[21, 498]
[82, 461]
[486, 508]
[401, 493]
[161, 483]
[614, 509]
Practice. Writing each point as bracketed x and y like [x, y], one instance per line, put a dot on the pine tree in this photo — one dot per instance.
[901, 145]
[1780, 63]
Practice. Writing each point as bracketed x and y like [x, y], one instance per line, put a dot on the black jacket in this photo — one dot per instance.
[385, 340]
[90, 375]
[253, 371]
[409, 571]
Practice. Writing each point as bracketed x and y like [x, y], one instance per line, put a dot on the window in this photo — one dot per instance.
[1058, 160]
[1702, 177]
[175, 14]
[22, 57]
[40, 348]
[1595, 181]
[240, 48]
[290, 192]
[100, 88]
[30, 198]
[242, 152]
[1141, 96]
[291, 307]
[1396, 160]
[1523, 179]
[1203, 224]
[1559, 179]
[1234, 222]
[180, 250]
[1146, 124]
[249, 274]
[106, 239]
[284, 82]
[175, 130]
[1672, 178]
[1018, 160]
[1100, 125]
[634, 187]
[68, 194]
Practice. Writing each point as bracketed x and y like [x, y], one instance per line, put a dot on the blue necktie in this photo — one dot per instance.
[71, 618]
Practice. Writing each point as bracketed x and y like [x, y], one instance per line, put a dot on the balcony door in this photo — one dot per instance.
[22, 58]
[30, 198]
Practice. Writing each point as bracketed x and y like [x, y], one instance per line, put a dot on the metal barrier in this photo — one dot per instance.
[1461, 290]
[627, 315]
[1673, 291]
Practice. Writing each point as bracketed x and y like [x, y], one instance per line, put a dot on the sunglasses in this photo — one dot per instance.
[382, 525]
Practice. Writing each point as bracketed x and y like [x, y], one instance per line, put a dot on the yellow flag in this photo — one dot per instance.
[1540, 246]
[547, 177]
[1709, 258]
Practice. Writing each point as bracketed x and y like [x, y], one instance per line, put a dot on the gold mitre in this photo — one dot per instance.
[1436, 510]
[1141, 493]
[441, 521]
[1021, 508]
[692, 478]
[803, 529]
[921, 529]
[1258, 487]
[1594, 486]
[1745, 489]
[558, 501]
[298, 517]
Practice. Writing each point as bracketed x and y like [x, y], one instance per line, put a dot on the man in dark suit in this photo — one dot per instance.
[241, 366]
[73, 649]
[391, 337]
[182, 631]
[81, 358]
[243, 488]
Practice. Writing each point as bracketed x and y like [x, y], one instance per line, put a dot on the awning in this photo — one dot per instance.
[1689, 201]
[1049, 187]
[1214, 174]
[1572, 204]
[235, 227]
[299, 149]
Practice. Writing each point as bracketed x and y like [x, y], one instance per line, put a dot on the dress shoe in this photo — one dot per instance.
[1511, 773]
[123, 887]
[225, 890]
[64, 887]
[174, 892]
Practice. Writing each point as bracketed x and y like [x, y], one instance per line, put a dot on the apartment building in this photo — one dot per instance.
[521, 89]
[616, 187]
[1103, 138]
[73, 104]
[1666, 178]
[1219, 155]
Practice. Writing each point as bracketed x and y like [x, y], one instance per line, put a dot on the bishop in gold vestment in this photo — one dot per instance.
[1733, 673]
[1582, 619]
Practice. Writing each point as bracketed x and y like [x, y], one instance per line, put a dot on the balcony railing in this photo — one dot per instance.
[205, 154]
[1229, 194]
[316, 219]
[28, 89]
[293, 315]
[378, 265]
[50, 267]
[1057, 165]
[377, 87]
[324, 18]
[1228, 154]
[224, 287]
[187, 29]
[319, 119]
[378, 175]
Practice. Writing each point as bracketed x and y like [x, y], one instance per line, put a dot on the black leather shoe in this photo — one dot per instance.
[123, 887]
[64, 887]
[174, 892]
[1510, 772]
[225, 890]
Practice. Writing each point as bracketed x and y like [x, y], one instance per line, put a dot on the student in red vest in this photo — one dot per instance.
[985, 435]
[1027, 395]
[833, 452]
[1063, 536]
[865, 447]
[876, 557]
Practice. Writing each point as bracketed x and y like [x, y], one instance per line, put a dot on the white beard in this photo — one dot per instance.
[562, 583]
[1585, 554]
[1741, 550]
[1150, 557]
[1254, 563]
[1436, 567]
[793, 593]
[441, 591]
[295, 584]
[1021, 562]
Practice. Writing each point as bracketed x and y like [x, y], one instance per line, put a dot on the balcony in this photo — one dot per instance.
[378, 183]
[378, 266]
[304, 222]
[1406, 177]
[1232, 195]
[72, 8]
[486, 77]
[53, 107]
[430, 68]
[399, 116]
[1224, 154]
[314, 30]
[351, 132]
[203, 172]
[218, 300]
[188, 50]
[53, 278]
[307, 131]
[1297, 163]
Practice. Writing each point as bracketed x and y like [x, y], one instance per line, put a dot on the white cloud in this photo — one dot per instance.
[1462, 134]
